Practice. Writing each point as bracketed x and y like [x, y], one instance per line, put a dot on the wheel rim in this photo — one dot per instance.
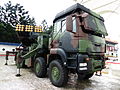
[55, 73]
[38, 66]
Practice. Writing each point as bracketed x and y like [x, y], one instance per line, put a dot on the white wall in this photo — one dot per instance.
[7, 48]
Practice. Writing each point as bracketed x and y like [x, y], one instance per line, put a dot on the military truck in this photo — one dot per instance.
[75, 45]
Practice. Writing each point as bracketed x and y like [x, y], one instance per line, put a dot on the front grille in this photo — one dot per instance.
[98, 67]
[97, 57]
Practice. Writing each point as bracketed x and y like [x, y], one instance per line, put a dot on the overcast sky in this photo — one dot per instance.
[47, 9]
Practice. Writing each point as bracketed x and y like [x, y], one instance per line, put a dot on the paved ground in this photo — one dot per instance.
[28, 81]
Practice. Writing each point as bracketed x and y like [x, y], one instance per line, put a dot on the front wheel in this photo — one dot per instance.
[40, 67]
[58, 74]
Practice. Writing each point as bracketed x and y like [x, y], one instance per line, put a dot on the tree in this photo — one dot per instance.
[44, 25]
[15, 14]
[10, 16]
[46, 28]
[7, 34]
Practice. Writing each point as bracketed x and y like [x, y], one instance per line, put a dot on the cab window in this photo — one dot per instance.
[90, 23]
[63, 25]
[57, 26]
[74, 24]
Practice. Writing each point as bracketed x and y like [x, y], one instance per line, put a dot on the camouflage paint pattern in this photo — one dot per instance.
[80, 41]
[88, 39]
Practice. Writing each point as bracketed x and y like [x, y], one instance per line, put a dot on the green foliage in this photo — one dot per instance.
[15, 14]
[50, 29]
[44, 25]
[7, 33]
[46, 28]
[10, 16]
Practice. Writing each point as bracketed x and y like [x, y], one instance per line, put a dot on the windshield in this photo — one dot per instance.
[95, 25]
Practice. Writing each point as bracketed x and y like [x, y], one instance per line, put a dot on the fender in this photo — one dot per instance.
[60, 52]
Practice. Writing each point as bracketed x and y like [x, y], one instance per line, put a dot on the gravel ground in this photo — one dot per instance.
[28, 80]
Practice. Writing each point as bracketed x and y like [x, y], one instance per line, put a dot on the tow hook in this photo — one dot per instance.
[98, 73]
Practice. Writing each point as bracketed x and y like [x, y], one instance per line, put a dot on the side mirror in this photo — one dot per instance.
[85, 15]
[69, 23]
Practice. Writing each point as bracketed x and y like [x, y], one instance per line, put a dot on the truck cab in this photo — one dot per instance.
[78, 40]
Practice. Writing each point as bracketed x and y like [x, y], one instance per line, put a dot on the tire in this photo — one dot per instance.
[83, 76]
[58, 74]
[40, 67]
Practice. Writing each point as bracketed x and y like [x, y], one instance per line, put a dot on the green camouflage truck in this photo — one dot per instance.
[75, 45]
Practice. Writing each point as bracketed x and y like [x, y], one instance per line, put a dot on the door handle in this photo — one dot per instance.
[97, 44]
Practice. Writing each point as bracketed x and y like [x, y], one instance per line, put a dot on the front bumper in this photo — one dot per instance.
[89, 66]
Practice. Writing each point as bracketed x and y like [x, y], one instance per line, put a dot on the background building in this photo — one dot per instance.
[4, 46]
[111, 49]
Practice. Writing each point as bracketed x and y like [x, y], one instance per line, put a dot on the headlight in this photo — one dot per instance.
[83, 64]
